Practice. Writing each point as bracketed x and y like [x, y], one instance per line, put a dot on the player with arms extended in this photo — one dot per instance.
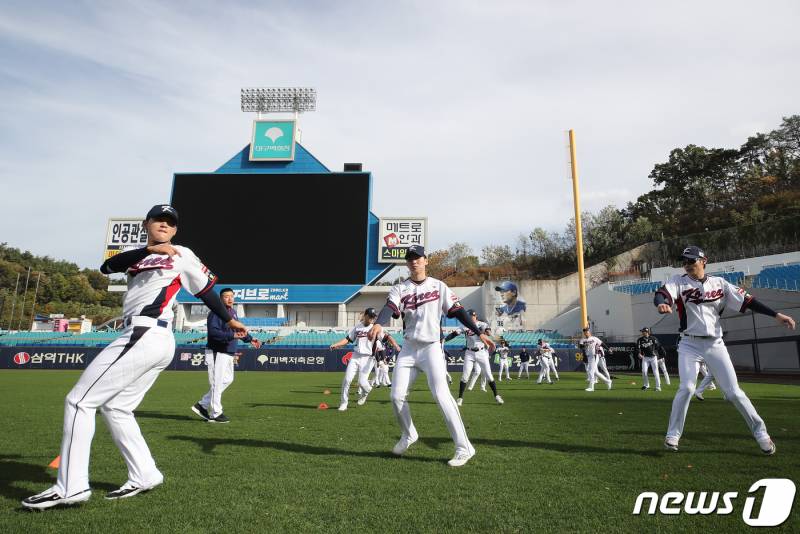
[421, 301]
[117, 379]
[700, 300]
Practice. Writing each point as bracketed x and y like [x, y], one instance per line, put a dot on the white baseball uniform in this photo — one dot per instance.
[422, 305]
[589, 347]
[700, 304]
[552, 360]
[360, 363]
[662, 364]
[602, 368]
[504, 363]
[545, 359]
[477, 373]
[118, 378]
[708, 380]
[475, 354]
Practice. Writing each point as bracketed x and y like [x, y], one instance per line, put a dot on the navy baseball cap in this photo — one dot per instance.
[370, 312]
[693, 253]
[506, 286]
[415, 251]
[163, 210]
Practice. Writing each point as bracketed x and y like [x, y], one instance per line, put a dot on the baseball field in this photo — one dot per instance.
[553, 458]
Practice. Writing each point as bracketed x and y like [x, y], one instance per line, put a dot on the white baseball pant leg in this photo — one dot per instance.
[523, 366]
[704, 383]
[220, 376]
[503, 366]
[649, 362]
[544, 370]
[475, 374]
[482, 361]
[469, 365]
[662, 364]
[692, 351]
[116, 382]
[356, 366]
[552, 364]
[417, 356]
[602, 368]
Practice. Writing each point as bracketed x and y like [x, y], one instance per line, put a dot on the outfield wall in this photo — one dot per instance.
[263, 359]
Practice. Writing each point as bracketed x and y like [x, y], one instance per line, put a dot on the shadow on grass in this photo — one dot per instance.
[170, 416]
[13, 471]
[434, 443]
[278, 405]
[209, 444]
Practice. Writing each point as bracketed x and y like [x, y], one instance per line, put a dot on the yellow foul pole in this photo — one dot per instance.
[578, 229]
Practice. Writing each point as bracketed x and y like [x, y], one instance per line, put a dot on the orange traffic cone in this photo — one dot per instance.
[55, 463]
[322, 406]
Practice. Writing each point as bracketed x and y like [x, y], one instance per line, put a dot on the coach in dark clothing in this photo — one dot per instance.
[220, 351]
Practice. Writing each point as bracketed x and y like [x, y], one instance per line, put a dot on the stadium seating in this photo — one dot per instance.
[264, 321]
[735, 278]
[785, 277]
[30, 338]
[637, 288]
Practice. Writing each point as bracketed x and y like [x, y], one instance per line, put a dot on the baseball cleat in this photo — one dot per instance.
[460, 459]
[483, 388]
[402, 446]
[699, 396]
[50, 498]
[202, 412]
[645, 387]
[610, 384]
[671, 444]
[767, 446]
[343, 407]
[712, 386]
[658, 389]
[589, 389]
[499, 399]
[459, 401]
[129, 489]
[362, 400]
[221, 418]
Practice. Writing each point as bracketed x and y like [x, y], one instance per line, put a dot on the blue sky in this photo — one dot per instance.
[458, 108]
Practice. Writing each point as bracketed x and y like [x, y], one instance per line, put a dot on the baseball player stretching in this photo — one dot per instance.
[700, 300]
[589, 345]
[602, 368]
[503, 350]
[524, 363]
[477, 373]
[421, 301]
[117, 379]
[545, 355]
[648, 347]
[475, 355]
[220, 351]
[545, 346]
[361, 361]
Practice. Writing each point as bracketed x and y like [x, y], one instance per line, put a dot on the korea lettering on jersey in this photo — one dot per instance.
[359, 336]
[154, 282]
[422, 305]
[473, 339]
[701, 302]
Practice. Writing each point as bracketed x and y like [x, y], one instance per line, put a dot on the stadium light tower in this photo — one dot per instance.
[295, 100]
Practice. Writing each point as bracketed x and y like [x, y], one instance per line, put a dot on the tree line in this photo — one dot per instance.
[63, 288]
[735, 202]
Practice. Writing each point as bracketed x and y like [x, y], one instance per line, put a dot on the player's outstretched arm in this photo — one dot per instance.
[785, 320]
[341, 343]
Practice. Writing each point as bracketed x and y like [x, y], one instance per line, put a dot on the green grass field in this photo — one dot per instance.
[553, 458]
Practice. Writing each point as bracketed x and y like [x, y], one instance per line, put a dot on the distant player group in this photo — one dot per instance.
[118, 378]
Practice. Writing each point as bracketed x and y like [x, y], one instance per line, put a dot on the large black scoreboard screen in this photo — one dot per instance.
[276, 228]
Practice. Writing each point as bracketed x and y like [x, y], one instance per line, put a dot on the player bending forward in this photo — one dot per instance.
[361, 361]
[700, 300]
[421, 301]
[117, 379]
[475, 355]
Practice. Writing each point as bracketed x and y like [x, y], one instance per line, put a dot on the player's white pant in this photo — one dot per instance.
[479, 360]
[544, 369]
[417, 356]
[662, 364]
[649, 362]
[382, 375]
[523, 366]
[220, 376]
[478, 373]
[591, 371]
[361, 365]
[705, 383]
[692, 351]
[552, 364]
[116, 382]
[504, 365]
[602, 368]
